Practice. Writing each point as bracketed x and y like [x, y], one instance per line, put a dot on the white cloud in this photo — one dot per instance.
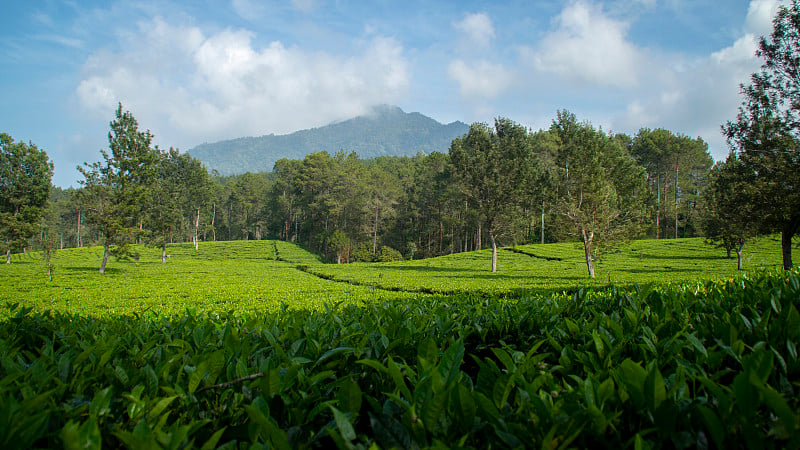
[477, 28]
[200, 87]
[759, 16]
[587, 46]
[481, 80]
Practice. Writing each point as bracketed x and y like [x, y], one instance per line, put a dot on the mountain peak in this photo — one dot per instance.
[386, 130]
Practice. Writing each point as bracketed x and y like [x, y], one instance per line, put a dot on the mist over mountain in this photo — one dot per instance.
[385, 131]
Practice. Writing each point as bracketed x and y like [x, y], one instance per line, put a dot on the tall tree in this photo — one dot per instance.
[766, 132]
[164, 218]
[676, 167]
[491, 168]
[116, 189]
[728, 220]
[25, 173]
[599, 183]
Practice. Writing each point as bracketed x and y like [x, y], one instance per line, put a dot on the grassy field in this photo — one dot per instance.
[248, 276]
[245, 345]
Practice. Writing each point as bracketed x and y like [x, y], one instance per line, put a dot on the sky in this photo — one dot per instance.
[198, 71]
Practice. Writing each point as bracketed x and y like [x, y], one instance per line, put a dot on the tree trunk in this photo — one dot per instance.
[494, 251]
[213, 219]
[658, 202]
[106, 250]
[587, 248]
[739, 255]
[542, 221]
[78, 242]
[375, 234]
[8, 255]
[478, 245]
[788, 231]
[676, 198]
[197, 229]
[164, 252]
[728, 250]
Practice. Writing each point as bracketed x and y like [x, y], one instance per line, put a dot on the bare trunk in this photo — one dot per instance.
[213, 219]
[197, 229]
[375, 234]
[739, 255]
[106, 250]
[494, 251]
[164, 252]
[478, 245]
[8, 256]
[78, 242]
[788, 231]
[658, 202]
[587, 248]
[676, 198]
[542, 221]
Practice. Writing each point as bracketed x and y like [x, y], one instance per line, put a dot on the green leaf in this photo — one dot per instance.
[632, 376]
[84, 437]
[101, 402]
[343, 424]
[160, 406]
[713, 425]
[349, 396]
[655, 391]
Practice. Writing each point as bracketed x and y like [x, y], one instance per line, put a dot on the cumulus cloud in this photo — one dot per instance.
[477, 28]
[587, 46]
[209, 87]
[697, 96]
[481, 80]
[759, 16]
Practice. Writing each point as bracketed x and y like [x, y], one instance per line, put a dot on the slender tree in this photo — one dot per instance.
[491, 167]
[25, 173]
[116, 189]
[600, 185]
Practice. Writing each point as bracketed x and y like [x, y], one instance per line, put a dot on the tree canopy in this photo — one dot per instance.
[766, 132]
[25, 174]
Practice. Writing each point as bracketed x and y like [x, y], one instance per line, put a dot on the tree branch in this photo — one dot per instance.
[232, 382]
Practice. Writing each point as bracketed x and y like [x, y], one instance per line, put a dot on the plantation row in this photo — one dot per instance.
[254, 276]
[700, 365]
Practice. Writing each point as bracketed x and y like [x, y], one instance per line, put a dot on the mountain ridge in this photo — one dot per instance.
[384, 131]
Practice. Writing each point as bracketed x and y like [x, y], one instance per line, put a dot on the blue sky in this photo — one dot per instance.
[202, 71]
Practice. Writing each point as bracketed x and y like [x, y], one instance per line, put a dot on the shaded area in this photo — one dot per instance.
[532, 255]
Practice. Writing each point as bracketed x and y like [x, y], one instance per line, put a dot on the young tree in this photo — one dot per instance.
[25, 174]
[766, 132]
[599, 184]
[729, 216]
[491, 168]
[115, 190]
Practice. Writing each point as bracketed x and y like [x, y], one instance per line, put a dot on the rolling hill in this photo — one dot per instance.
[386, 131]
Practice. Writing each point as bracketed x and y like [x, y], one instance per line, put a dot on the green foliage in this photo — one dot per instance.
[766, 132]
[116, 189]
[712, 363]
[25, 173]
[388, 254]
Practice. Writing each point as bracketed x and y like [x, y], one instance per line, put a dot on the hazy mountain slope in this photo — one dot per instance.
[386, 131]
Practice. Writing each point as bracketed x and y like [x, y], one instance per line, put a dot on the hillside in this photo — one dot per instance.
[387, 131]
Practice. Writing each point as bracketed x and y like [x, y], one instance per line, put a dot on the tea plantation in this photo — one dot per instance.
[259, 345]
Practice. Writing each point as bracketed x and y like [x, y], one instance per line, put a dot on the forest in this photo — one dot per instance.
[502, 183]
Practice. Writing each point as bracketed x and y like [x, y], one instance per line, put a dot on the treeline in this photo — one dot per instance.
[496, 185]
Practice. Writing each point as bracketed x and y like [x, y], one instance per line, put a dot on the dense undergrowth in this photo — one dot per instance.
[708, 364]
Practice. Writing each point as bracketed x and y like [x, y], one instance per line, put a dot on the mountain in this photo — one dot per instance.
[385, 131]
